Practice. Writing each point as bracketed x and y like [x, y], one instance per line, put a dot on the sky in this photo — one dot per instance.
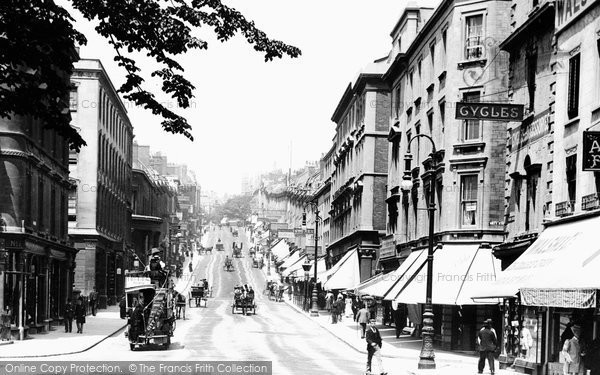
[249, 116]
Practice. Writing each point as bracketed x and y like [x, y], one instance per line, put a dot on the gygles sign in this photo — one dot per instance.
[591, 151]
[489, 111]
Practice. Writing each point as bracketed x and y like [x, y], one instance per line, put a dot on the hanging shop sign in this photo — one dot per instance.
[529, 131]
[285, 233]
[489, 111]
[591, 151]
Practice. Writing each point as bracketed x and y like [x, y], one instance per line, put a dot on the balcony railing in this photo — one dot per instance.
[564, 208]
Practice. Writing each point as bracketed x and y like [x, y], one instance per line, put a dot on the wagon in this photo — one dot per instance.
[219, 247]
[237, 252]
[151, 317]
[245, 305]
[197, 293]
[228, 266]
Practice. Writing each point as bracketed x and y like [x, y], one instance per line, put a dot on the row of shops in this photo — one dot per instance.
[533, 303]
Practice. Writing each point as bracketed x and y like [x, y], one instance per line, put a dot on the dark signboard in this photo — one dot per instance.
[591, 151]
[530, 131]
[489, 111]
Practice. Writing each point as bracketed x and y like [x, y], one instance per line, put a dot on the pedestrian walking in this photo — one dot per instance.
[68, 316]
[122, 308]
[374, 344]
[488, 341]
[79, 315]
[341, 307]
[362, 317]
[94, 301]
[335, 308]
[328, 301]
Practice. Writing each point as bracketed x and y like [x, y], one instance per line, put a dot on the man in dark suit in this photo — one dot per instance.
[374, 346]
[488, 341]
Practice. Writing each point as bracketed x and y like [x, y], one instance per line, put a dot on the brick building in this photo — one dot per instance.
[359, 173]
[439, 58]
[36, 257]
[100, 206]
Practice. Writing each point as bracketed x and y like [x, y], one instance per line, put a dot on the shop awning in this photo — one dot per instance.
[295, 269]
[347, 274]
[362, 288]
[458, 270]
[280, 249]
[560, 269]
[397, 280]
[321, 267]
[293, 258]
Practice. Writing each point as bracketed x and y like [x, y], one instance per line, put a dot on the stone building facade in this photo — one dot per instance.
[100, 206]
[36, 257]
[359, 175]
[452, 57]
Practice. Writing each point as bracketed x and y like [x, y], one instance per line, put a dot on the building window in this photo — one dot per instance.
[471, 128]
[572, 176]
[53, 217]
[40, 203]
[73, 99]
[430, 122]
[531, 71]
[444, 40]
[573, 97]
[432, 54]
[474, 37]
[398, 101]
[530, 209]
[468, 199]
[442, 116]
[72, 208]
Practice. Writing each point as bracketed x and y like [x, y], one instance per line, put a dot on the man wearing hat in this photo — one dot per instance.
[156, 267]
[374, 343]
[487, 340]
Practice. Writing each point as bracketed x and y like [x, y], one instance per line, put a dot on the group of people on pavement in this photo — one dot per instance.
[74, 311]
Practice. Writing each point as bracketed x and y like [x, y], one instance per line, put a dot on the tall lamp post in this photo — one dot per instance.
[314, 310]
[427, 356]
[306, 267]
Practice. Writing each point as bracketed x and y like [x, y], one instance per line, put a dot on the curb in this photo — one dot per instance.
[69, 353]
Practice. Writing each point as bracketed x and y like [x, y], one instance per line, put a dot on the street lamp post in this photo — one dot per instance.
[306, 267]
[427, 356]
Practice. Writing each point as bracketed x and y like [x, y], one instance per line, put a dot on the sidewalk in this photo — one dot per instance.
[406, 347]
[105, 324]
[57, 342]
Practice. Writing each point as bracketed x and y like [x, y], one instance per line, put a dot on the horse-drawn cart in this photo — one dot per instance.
[228, 266]
[198, 295]
[244, 303]
[151, 317]
[219, 246]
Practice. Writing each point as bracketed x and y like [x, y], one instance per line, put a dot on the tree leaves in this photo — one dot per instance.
[37, 52]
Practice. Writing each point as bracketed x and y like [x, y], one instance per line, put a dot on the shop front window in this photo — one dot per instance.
[530, 337]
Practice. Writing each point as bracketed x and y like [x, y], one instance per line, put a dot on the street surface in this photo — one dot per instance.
[294, 343]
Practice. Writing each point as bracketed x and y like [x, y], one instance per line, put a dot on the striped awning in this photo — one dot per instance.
[567, 298]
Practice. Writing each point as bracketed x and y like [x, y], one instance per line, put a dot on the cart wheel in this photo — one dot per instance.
[132, 347]
[233, 309]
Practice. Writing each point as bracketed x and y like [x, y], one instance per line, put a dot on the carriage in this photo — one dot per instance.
[219, 246]
[242, 303]
[198, 293]
[205, 250]
[237, 251]
[235, 233]
[228, 266]
[257, 262]
[151, 319]
[252, 251]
